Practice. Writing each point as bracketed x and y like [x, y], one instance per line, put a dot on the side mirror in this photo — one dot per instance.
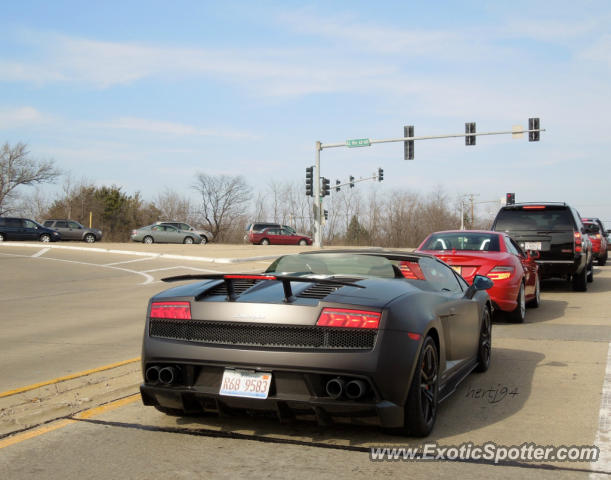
[479, 283]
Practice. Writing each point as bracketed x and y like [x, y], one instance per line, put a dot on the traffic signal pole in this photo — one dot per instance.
[533, 132]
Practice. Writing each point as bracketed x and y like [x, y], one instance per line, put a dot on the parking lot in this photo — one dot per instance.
[72, 310]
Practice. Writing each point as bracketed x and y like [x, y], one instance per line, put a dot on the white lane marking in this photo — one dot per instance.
[148, 278]
[603, 436]
[41, 252]
[130, 261]
[186, 268]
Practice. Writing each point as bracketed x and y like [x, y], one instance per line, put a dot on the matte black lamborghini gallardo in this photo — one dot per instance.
[336, 334]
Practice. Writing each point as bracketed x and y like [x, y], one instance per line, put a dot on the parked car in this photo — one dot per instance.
[278, 236]
[16, 228]
[598, 235]
[72, 230]
[260, 226]
[205, 234]
[495, 255]
[332, 334]
[554, 230]
[164, 234]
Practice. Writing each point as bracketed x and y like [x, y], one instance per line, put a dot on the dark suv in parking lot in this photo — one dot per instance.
[15, 228]
[555, 231]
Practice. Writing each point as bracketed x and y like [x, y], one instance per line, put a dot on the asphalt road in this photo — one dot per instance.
[65, 311]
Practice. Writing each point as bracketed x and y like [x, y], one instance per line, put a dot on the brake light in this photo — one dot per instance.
[500, 272]
[534, 207]
[577, 236]
[173, 310]
[333, 317]
[598, 236]
[251, 277]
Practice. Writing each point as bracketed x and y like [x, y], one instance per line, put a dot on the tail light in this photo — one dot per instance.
[500, 272]
[577, 242]
[173, 310]
[333, 317]
[133, 232]
[598, 236]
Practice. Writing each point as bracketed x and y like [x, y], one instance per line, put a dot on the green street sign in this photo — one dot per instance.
[358, 142]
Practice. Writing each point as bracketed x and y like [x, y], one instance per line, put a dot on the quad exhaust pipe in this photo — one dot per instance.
[335, 387]
[355, 389]
[164, 375]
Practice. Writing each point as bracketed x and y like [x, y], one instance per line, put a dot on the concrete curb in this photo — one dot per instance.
[143, 254]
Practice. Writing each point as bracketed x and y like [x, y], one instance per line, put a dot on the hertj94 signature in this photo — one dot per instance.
[492, 395]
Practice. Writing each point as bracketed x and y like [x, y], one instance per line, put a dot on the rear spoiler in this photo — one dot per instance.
[285, 279]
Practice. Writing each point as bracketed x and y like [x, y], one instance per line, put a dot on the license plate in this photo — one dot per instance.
[245, 383]
[457, 269]
[532, 245]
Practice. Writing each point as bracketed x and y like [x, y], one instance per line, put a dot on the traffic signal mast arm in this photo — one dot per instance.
[373, 177]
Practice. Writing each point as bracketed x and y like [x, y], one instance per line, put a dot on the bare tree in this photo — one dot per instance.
[224, 200]
[17, 168]
[173, 206]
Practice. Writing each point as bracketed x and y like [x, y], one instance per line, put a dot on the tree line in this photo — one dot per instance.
[227, 204]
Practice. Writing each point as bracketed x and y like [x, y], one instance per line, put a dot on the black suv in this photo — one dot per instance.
[14, 228]
[556, 232]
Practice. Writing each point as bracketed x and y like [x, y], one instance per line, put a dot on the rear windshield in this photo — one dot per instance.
[592, 228]
[487, 242]
[541, 220]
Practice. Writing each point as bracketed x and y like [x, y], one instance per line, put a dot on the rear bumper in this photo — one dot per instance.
[561, 268]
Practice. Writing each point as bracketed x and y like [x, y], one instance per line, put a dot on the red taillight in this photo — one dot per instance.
[598, 236]
[500, 272]
[577, 241]
[333, 317]
[174, 310]
[251, 277]
[534, 207]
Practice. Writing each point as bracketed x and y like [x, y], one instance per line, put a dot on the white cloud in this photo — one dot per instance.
[22, 117]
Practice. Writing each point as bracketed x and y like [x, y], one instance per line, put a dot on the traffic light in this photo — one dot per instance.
[326, 187]
[351, 181]
[326, 214]
[337, 188]
[309, 181]
[470, 128]
[511, 199]
[408, 145]
[380, 174]
[533, 124]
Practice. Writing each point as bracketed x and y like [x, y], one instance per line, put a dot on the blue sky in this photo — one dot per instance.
[147, 94]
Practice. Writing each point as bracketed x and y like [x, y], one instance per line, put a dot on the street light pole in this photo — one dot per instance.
[317, 200]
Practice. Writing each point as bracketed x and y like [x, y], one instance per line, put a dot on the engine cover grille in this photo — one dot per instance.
[282, 337]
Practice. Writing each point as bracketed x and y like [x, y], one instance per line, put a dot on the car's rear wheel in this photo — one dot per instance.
[204, 240]
[45, 237]
[188, 240]
[421, 405]
[265, 241]
[302, 242]
[148, 239]
[1, 237]
[519, 314]
[536, 301]
[580, 281]
[602, 260]
[590, 276]
[484, 350]
[90, 238]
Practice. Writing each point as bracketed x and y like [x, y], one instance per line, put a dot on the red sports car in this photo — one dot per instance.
[498, 257]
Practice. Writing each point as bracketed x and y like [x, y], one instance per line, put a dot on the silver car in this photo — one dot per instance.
[71, 230]
[164, 234]
[205, 234]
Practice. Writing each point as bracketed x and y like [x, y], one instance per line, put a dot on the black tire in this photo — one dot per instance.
[45, 238]
[484, 349]
[602, 260]
[535, 302]
[519, 314]
[265, 241]
[580, 281]
[90, 238]
[423, 397]
[302, 242]
[204, 240]
[590, 276]
[148, 239]
[188, 241]
[2, 237]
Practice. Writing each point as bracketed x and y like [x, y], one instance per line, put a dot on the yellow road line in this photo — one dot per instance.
[67, 377]
[7, 442]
